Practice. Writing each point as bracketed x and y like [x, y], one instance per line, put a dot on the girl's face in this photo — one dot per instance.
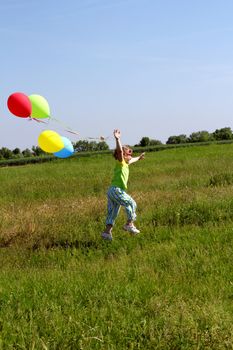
[127, 153]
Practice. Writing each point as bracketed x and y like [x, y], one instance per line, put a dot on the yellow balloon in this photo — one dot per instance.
[50, 141]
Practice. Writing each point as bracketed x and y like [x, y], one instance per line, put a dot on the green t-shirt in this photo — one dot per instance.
[121, 175]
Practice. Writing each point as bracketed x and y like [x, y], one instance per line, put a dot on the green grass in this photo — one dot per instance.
[171, 287]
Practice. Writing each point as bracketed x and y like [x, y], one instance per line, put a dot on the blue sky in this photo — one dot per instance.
[152, 68]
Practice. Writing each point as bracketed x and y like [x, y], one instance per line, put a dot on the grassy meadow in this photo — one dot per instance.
[170, 287]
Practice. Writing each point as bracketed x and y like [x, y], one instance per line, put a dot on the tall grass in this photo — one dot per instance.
[171, 287]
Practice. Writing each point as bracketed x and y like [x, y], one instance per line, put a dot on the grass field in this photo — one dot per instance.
[170, 287]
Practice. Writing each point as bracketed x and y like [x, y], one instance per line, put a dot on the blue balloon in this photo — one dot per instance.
[68, 149]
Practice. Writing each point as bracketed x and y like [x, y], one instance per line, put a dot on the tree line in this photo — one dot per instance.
[199, 136]
[80, 146]
[90, 146]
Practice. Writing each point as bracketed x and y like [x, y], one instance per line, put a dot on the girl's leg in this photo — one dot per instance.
[112, 212]
[130, 210]
[122, 198]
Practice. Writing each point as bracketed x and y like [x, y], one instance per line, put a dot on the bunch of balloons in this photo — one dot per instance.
[23, 106]
[36, 107]
[51, 142]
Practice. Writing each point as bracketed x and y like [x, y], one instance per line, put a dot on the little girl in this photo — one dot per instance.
[117, 196]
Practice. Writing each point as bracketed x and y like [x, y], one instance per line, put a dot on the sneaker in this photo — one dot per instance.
[131, 228]
[106, 236]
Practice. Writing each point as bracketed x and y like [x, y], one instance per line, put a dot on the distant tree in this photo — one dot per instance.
[154, 142]
[102, 146]
[177, 139]
[171, 140]
[85, 146]
[37, 151]
[27, 152]
[16, 151]
[223, 134]
[81, 146]
[145, 141]
[200, 136]
[6, 153]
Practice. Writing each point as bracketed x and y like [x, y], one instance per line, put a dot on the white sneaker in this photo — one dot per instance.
[131, 228]
[106, 236]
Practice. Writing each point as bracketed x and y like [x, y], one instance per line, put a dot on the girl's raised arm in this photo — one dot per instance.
[117, 135]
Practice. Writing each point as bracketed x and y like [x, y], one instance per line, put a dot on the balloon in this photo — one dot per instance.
[50, 141]
[19, 105]
[68, 149]
[40, 107]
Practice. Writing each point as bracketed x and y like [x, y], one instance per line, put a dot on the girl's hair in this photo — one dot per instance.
[124, 148]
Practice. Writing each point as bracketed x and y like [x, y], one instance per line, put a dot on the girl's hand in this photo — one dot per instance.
[117, 134]
[142, 156]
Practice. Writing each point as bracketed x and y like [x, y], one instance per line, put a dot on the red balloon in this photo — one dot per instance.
[19, 105]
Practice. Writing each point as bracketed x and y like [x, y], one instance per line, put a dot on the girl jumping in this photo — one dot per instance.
[117, 195]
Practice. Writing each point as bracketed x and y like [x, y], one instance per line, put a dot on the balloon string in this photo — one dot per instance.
[68, 129]
[101, 138]
[72, 132]
[37, 120]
